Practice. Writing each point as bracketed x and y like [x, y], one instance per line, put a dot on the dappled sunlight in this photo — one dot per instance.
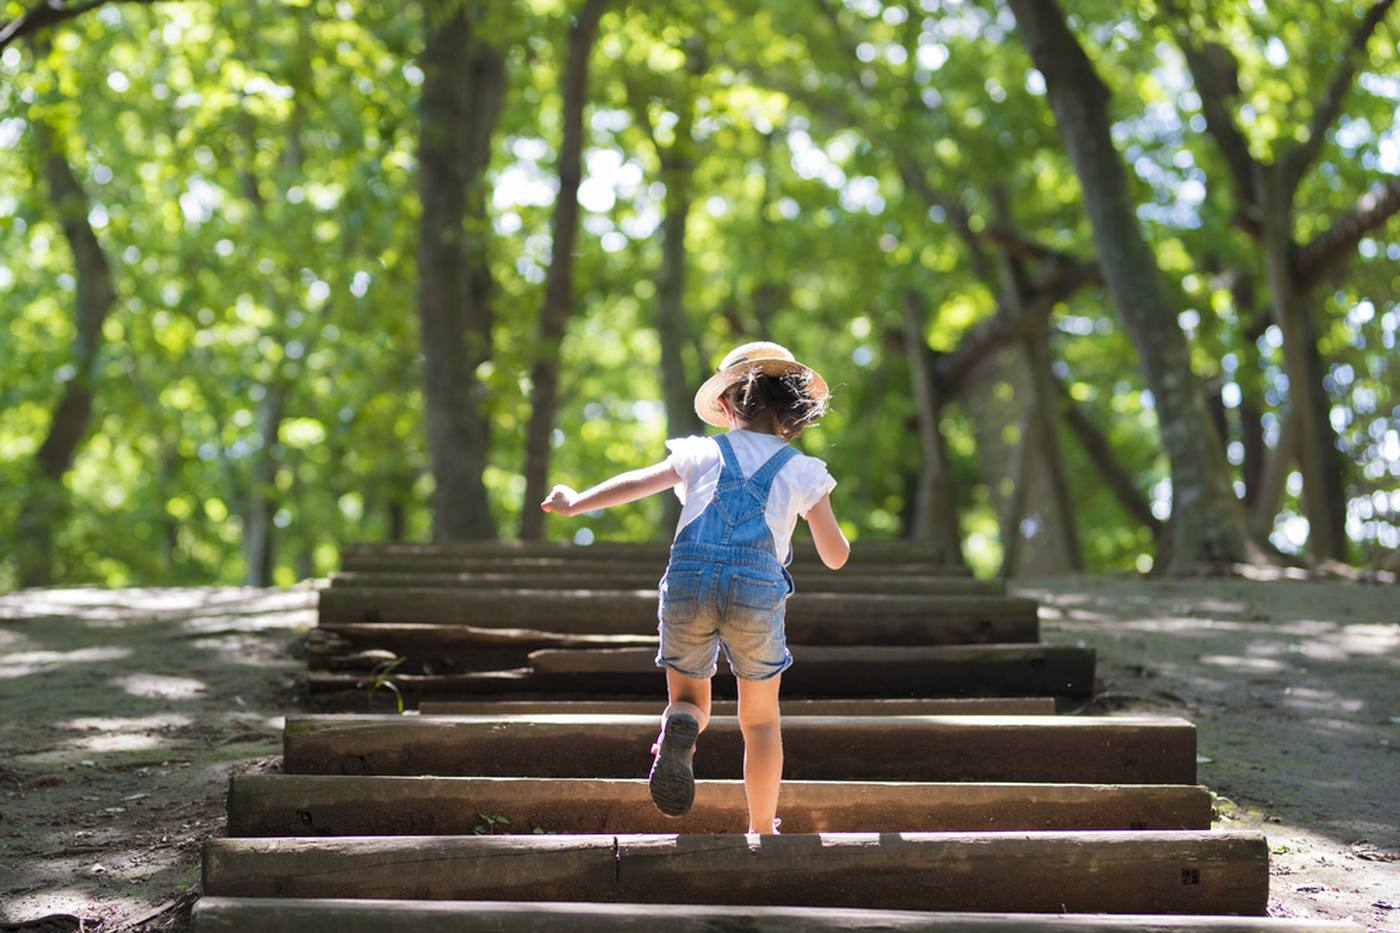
[157, 686]
[1372, 639]
[101, 607]
[265, 619]
[126, 723]
[1312, 700]
[24, 663]
[119, 742]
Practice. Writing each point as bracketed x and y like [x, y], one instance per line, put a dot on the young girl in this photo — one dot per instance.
[727, 584]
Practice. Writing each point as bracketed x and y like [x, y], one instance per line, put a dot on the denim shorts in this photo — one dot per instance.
[738, 607]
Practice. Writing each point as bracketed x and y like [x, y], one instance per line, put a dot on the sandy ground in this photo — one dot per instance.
[126, 711]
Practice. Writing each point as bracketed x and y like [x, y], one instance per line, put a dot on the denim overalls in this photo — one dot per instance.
[724, 584]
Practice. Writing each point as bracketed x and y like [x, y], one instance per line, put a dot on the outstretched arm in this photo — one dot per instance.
[832, 546]
[624, 487]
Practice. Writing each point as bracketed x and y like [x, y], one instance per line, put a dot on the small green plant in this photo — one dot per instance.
[379, 677]
[488, 824]
[1221, 807]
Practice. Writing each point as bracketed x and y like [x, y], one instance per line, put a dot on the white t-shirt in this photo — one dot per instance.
[799, 485]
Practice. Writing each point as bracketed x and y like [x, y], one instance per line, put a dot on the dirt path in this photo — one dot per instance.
[1295, 689]
[127, 710]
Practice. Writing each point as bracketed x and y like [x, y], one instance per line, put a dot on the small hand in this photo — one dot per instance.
[560, 500]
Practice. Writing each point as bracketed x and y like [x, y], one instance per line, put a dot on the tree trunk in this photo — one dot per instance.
[1274, 475]
[262, 487]
[671, 324]
[46, 498]
[935, 517]
[558, 298]
[1324, 501]
[1051, 455]
[1208, 524]
[463, 86]
[1015, 508]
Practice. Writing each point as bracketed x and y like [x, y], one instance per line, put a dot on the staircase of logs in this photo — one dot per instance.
[928, 783]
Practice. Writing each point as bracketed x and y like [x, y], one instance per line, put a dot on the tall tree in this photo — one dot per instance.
[678, 160]
[464, 81]
[43, 506]
[935, 515]
[1208, 528]
[1266, 191]
[559, 284]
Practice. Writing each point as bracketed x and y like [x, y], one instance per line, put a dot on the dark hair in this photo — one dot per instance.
[784, 399]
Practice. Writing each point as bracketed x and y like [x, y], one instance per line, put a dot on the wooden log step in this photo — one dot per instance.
[820, 672]
[322, 805]
[812, 618]
[655, 564]
[972, 706]
[630, 577]
[1112, 872]
[338, 915]
[444, 649]
[867, 550]
[1056, 749]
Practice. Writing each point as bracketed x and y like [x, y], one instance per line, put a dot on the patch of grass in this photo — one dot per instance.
[379, 677]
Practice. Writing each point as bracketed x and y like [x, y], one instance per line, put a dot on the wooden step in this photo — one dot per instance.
[864, 551]
[630, 577]
[1132, 872]
[808, 568]
[819, 672]
[444, 649]
[288, 915]
[812, 618]
[1059, 749]
[322, 805]
[972, 706]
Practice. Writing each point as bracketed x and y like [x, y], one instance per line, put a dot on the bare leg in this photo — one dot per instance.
[672, 778]
[760, 721]
[687, 695]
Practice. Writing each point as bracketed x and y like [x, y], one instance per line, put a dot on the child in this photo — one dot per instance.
[727, 583]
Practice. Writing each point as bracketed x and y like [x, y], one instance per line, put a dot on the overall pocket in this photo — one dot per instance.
[754, 603]
[680, 595]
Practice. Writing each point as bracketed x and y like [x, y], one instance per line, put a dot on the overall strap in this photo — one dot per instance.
[731, 462]
[763, 477]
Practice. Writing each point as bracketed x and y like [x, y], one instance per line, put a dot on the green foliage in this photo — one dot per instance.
[251, 168]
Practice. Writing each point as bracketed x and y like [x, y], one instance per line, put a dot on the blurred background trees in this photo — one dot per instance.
[1108, 291]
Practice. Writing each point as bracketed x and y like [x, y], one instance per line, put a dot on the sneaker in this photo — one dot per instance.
[672, 779]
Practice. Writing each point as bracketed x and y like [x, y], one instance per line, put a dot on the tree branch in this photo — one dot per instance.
[48, 13]
[1097, 446]
[1004, 327]
[1329, 106]
[1207, 64]
[1371, 211]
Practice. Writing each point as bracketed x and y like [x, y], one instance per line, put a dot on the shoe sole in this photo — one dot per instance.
[672, 780]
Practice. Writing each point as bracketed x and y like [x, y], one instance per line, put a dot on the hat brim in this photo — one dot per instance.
[707, 398]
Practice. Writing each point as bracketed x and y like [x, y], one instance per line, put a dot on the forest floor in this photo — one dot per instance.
[126, 711]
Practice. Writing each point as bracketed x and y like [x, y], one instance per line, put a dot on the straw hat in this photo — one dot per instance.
[771, 358]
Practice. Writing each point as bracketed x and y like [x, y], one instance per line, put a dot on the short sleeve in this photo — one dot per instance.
[686, 456]
[815, 482]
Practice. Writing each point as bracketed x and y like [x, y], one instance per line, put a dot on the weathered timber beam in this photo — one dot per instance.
[1133, 872]
[287, 915]
[968, 706]
[1067, 749]
[323, 805]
